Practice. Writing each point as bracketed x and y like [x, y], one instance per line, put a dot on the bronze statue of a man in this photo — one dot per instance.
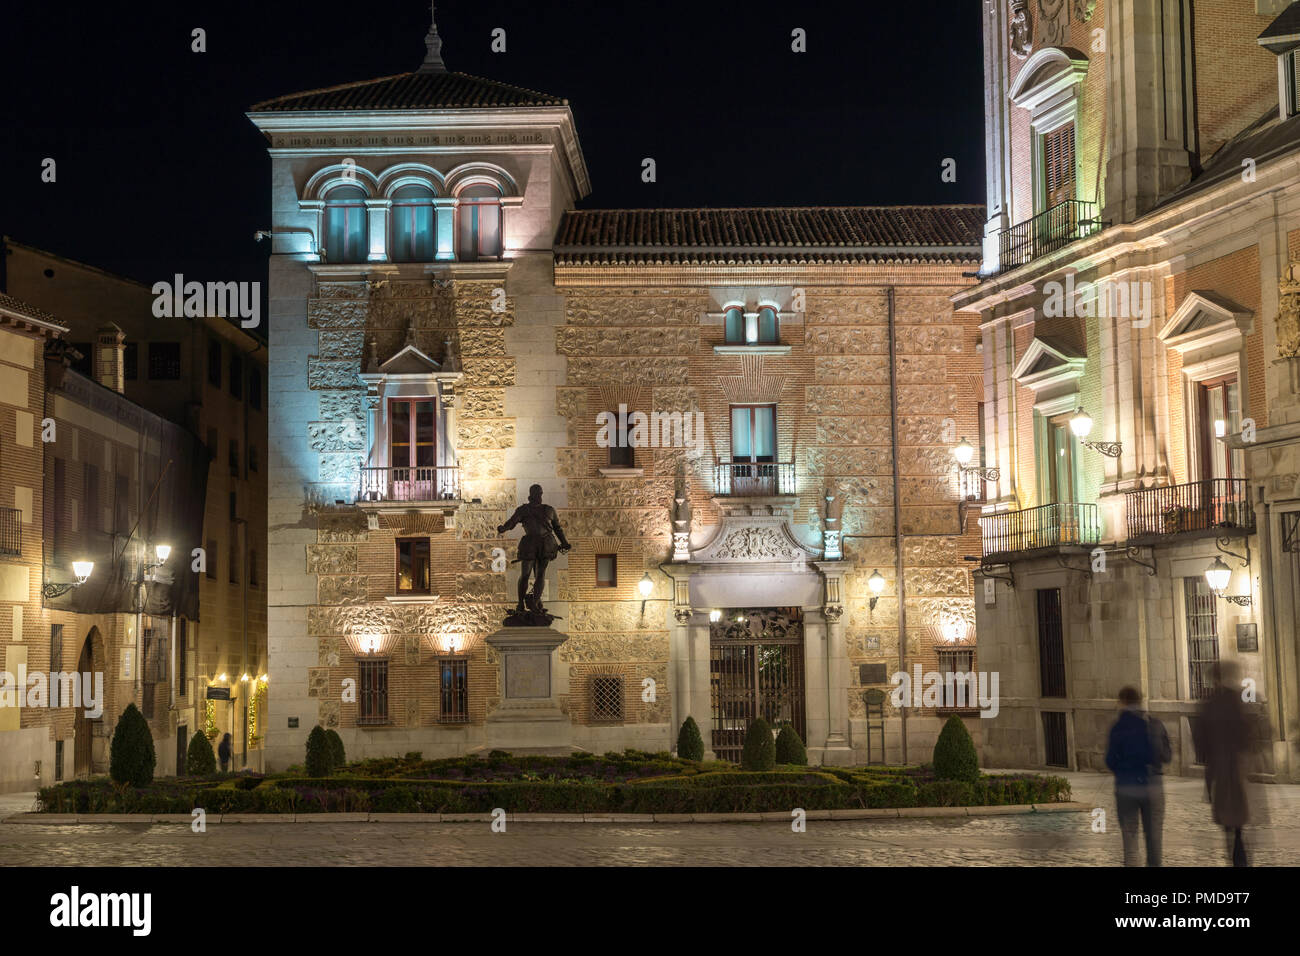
[537, 548]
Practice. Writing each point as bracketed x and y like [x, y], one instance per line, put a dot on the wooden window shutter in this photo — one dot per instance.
[1058, 164]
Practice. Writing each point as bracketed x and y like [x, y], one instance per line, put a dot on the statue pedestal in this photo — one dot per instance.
[529, 716]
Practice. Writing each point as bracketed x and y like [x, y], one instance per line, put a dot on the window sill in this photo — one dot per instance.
[410, 598]
[621, 472]
[755, 349]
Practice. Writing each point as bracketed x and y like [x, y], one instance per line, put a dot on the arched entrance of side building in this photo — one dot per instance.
[91, 661]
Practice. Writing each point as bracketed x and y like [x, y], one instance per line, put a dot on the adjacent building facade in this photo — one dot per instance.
[96, 618]
[743, 417]
[208, 375]
[1139, 372]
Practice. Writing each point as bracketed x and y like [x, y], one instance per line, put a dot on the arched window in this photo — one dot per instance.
[767, 326]
[345, 224]
[479, 214]
[413, 228]
[735, 326]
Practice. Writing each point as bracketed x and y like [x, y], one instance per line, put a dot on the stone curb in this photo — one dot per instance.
[781, 816]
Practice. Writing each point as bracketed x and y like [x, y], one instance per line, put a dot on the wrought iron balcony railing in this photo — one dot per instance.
[11, 531]
[1216, 505]
[1050, 230]
[421, 484]
[1047, 526]
[753, 479]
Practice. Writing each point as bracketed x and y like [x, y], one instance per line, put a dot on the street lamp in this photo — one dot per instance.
[877, 584]
[81, 569]
[715, 616]
[645, 586]
[963, 452]
[162, 550]
[1081, 424]
[1217, 576]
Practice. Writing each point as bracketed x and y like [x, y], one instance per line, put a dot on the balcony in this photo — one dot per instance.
[404, 488]
[753, 479]
[1050, 230]
[1043, 528]
[11, 531]
[1216, 506]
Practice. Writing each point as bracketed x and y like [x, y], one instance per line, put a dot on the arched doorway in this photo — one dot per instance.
[89, 663]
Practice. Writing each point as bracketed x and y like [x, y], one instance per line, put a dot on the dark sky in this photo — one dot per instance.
[160, 172]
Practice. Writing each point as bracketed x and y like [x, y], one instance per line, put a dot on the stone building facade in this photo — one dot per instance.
[1142, 193]
[88, 475]
[207, 374]
[446, 331]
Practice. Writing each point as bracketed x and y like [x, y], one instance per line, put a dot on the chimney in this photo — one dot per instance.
[110, 357]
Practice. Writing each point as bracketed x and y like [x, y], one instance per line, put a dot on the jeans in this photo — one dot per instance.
[1145, 802]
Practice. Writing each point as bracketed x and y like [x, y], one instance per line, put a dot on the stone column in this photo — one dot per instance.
[838, 749]
[444, 212]
[701, 707]
[377, 229]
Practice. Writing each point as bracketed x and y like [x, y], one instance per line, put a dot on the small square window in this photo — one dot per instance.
[252, 458]
[607, 698]
[373, 702]
[131, 361]
[165, 361]
[454, 704]
[606, 570]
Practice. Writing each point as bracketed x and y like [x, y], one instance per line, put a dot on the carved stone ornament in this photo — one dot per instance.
[682, 614]
[1288, 313]
[1083, 9]
[833, 612]
[1020, 28]
[1053, 20]
[755, 544]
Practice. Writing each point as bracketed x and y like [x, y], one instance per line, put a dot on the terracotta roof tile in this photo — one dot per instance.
[411, 91]
[780, 234]
[12, 304]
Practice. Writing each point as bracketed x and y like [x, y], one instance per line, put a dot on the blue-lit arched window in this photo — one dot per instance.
[345, 224]
[767, 326]
[413, 224]
[735, 322]
[479, 226]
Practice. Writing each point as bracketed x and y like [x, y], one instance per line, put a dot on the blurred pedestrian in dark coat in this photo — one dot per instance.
[223, 752]
[1223, 736]
[1130, 756]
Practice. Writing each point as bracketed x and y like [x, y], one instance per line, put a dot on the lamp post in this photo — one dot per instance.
[1081, 425]
[963, 452]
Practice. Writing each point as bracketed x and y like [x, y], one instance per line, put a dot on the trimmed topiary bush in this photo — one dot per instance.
[789, 748]
[337, 754]
[690, 745]
[760, 751]
[131, 755]
[320, 756]
[954, 753]
[199, 759]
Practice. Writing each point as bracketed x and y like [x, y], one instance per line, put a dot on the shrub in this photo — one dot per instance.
[199, 759]
[759, 752]
[690, 745]
[131, 755]
[320, 756]
[338, 757]
[954, 753]
[789, 748]
[946, 793]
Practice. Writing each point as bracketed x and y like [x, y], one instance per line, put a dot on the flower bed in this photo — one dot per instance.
[632, 782]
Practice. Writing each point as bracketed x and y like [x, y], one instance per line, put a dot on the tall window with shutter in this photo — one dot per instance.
[1058, 165]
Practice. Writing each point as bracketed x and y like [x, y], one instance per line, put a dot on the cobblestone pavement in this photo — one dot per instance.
[1046, 839]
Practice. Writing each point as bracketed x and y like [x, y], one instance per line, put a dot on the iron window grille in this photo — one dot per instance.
[1202, 636]
[165, 361]
[607, 698]
[373, 702]
[11, 531]
[56, 663]
[454, 691]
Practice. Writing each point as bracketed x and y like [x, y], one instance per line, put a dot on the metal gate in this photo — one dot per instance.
[755, 670]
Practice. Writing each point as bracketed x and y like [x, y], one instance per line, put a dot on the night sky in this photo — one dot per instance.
[159, 171]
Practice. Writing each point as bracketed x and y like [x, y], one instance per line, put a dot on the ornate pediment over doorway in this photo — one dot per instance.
[755, 539]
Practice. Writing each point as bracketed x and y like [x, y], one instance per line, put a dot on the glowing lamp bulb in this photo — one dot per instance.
[244, 678]
[1220, 428]
[876, 582]
[715, 616]
[1217, 575]
[1081, 423]
[162, 550]
[223, 678]
[963, 452]
[645, 585]
[82, 570]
